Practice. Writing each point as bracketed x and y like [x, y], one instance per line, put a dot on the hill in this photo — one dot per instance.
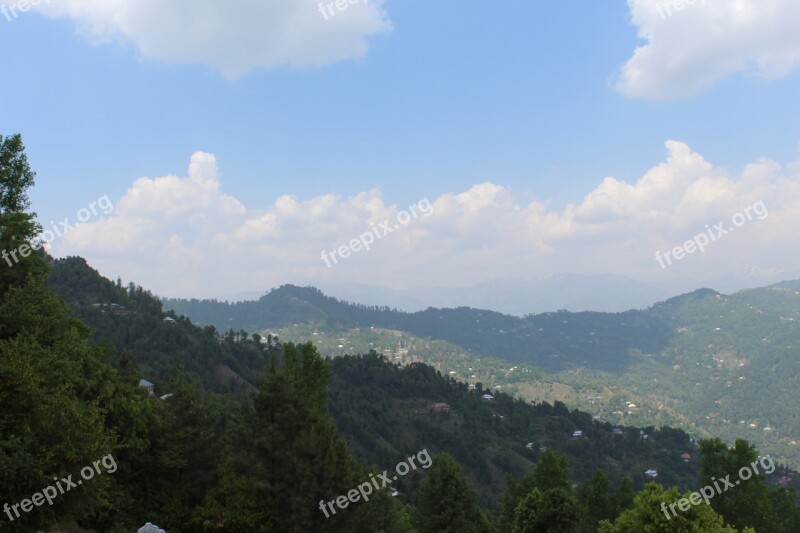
[696, 361]
[381, 410]
[514, 296]
[384, 410]
[550, 341]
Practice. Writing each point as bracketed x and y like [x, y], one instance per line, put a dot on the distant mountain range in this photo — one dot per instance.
[517, 296]
[573, 292]
[728, 364]
[550, 341]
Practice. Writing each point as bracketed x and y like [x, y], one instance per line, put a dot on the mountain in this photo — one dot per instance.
[574, 292]
[236, 423]
[716, 364]
[381, 408]
[551, 341]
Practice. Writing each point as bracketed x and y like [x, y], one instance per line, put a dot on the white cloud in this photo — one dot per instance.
[231, 37]
[155, 209]
[689, 49]
[182, 236]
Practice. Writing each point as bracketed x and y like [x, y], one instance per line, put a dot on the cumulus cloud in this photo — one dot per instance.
[692, 44]
[152, 209]
[182, 236]
[230, 37]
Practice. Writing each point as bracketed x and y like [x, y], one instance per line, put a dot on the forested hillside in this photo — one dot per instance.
[373, 401]
[384, 413]
[382, 409]
[696, 361]
[550, 341]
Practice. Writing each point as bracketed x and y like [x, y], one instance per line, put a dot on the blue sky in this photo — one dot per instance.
[406, 99]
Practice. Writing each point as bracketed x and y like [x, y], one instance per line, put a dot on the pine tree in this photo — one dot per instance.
[446, 503]
[748, 503]
[290, 456]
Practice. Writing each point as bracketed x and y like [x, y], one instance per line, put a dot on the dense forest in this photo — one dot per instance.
[696, 361]
[204, 431]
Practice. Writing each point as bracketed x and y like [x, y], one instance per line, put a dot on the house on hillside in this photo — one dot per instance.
[115, 309]
[652, 473]
[147, 385]
[488, 397]
[577, 434]
[169, 320]
[439, 408]
[686, 457]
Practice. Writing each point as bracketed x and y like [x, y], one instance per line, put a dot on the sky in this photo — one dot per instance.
[241, 145]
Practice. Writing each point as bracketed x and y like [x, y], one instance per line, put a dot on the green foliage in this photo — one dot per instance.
[526, 515]
[131, 319]
[263, 460]
[553, 510]
[551, 472]
[18, 227]
[597, 501]
[647, 515]
[382, 411]
[288, 457]
[51, 420]
[705, 362]
[749, 502]
[446, 502]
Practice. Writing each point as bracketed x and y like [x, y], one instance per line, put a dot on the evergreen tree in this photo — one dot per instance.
[748, 502]
[623, 497]
[290, 458]
[51, 423]
[551, 472]
[596, 500]
[526, 514]
[446, 503]
[553, 510]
